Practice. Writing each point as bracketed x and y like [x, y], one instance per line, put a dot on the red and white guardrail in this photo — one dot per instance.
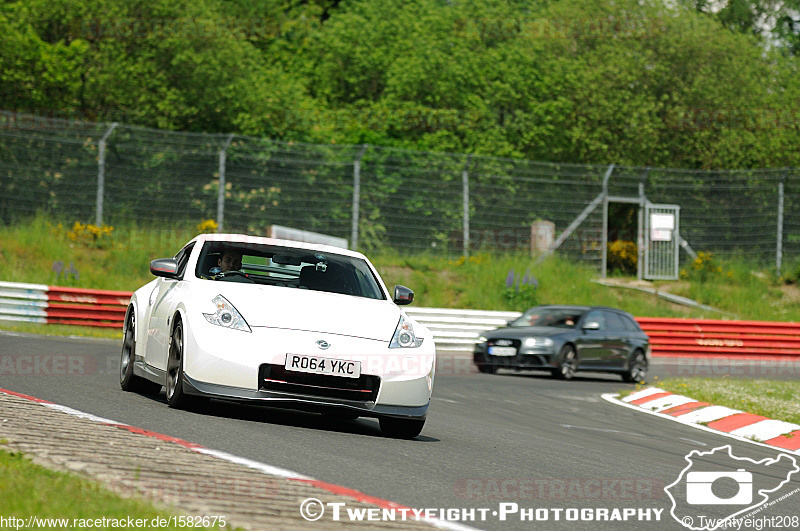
[713, 337]
[452, 329]
[40, 303]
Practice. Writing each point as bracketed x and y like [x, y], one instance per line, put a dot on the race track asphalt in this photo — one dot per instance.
[521, 438]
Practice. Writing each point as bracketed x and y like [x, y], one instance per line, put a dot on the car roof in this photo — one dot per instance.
[559, 307]
[575, 307]
[261, 240]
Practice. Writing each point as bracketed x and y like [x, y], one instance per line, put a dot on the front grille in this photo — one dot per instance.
[503, 361]
[516, 343]
[277, 378]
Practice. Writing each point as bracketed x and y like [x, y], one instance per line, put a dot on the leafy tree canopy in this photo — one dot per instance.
[589, 81]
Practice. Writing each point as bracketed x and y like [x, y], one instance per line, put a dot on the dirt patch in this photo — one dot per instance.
[791, 293]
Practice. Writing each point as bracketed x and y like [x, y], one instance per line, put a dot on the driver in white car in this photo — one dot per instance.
[230, 260]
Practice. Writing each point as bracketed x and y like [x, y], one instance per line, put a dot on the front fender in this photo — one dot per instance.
[138, 304]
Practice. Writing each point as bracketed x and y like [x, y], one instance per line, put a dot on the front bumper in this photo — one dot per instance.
[536, 358]
[226, 363]
[301, 403]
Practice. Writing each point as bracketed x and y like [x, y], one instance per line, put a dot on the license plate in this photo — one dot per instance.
[502, 351]
[315, 365]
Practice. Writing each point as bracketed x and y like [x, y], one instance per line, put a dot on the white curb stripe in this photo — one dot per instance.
[249, 463]
[643, 393]
[766, 429]
[81, 414]
[707, 414]
[667, 402]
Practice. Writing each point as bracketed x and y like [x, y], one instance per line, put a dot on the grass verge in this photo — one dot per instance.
[29, 490]
[41, 251]
[61, 330]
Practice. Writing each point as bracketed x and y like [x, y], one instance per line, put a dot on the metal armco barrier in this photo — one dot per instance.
[459, 329]
[453, 330]
[39, 303]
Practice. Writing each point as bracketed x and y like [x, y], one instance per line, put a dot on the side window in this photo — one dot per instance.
[613, 321]
[596, 316]
[630, 324]
[183, 258]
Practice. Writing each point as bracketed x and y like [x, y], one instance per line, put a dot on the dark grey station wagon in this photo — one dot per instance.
[566, 339]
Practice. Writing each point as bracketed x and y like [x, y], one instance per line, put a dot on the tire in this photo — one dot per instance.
[637, 368]
[128, 381]
[401, 428]
[567, 363]
[487, 369]
[175, 395]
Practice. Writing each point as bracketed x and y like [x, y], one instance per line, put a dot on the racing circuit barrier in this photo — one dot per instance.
[457, 330]
[40, 303]
[453, 330]
[713, 337]
[669, 337]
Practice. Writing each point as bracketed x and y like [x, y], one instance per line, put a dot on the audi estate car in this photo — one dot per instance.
[566, 339]
[279, 323]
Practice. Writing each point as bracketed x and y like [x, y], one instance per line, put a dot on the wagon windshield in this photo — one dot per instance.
[288, 267]
[555, 317]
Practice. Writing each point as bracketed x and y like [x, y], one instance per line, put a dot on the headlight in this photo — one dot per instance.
[226, 315]
[531, 342]
[404, 336]
[483, 339]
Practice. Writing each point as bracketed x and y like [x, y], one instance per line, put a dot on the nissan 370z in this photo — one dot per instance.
[284, 324]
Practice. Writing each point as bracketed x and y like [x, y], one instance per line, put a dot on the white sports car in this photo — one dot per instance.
[296, 325]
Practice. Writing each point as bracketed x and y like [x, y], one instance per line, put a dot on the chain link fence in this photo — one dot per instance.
[379, 199]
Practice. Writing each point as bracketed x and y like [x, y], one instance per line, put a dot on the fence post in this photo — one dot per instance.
[604, 250]
[101, 174]
[640, 236]
[465, 200]
[779, 246]
[223, 155]
[356, 196]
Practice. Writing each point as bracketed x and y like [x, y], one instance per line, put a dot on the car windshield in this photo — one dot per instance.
[555, 317]
[287, 267]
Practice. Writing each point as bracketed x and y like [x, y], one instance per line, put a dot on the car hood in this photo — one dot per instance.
[313, 311]
[527, 331]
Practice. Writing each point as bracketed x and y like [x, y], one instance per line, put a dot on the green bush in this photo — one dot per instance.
[622, 256]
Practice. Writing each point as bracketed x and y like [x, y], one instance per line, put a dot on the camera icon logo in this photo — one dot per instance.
[699, 489]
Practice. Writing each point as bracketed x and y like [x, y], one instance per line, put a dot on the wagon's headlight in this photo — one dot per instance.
[537, 342]
[226, 315]
[483, 339]
[404, 336]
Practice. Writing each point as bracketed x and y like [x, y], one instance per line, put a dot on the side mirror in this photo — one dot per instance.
[403, 295]
[593, 325]
[164, 267]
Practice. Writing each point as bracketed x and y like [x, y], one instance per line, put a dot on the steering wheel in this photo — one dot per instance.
[234, 274]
